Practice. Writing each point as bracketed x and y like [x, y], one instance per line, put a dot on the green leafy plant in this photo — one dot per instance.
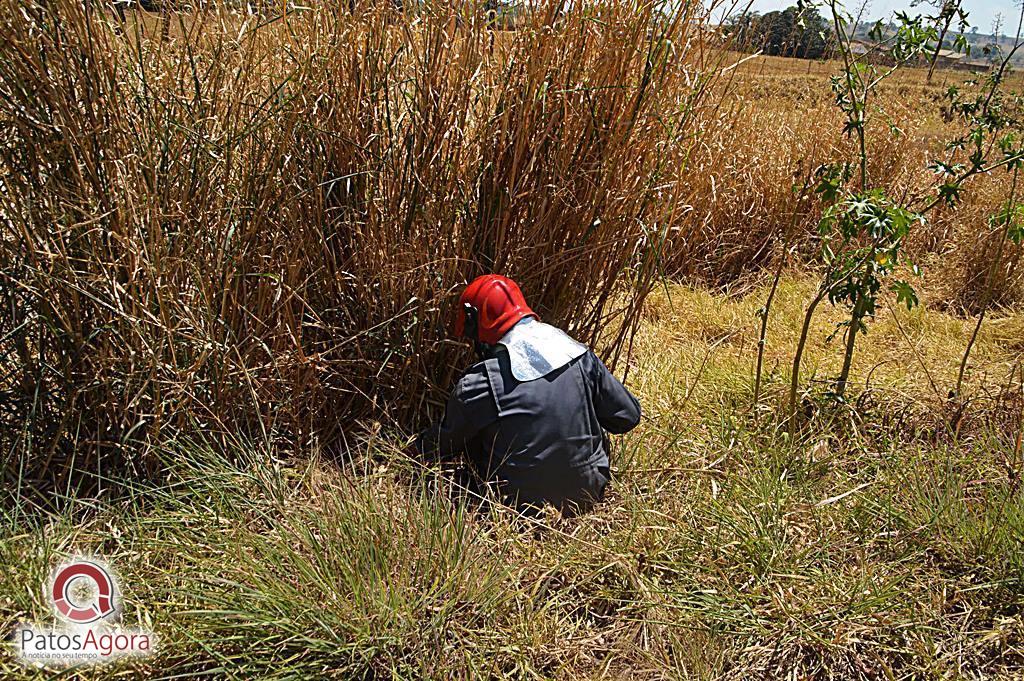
[992, 119]
[863, 236]
[948, 11]
[863, 229]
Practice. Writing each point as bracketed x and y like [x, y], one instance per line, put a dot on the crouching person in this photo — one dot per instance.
[531, 415]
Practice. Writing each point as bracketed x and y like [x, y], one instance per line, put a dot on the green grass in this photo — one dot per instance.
[876, 544]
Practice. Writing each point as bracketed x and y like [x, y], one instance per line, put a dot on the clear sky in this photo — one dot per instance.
[981, 12]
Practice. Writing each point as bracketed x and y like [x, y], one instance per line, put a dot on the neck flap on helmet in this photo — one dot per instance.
[535, 349]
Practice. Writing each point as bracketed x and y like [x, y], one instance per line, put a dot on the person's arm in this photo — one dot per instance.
[617, 410]
[470, 408]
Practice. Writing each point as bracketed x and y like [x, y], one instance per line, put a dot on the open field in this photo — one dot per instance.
[783, 122]
[227, 265]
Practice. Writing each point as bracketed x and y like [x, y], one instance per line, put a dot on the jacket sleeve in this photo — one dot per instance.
[617, 410]
[470, 408]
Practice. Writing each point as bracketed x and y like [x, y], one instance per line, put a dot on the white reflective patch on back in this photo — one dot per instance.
[536, 349]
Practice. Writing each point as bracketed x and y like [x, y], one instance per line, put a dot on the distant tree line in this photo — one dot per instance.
[787, 33]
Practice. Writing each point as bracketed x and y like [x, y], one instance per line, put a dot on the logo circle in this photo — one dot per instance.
[77, 612]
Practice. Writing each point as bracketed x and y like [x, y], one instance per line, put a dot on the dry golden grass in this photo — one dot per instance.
[262, 228]
[778, 121]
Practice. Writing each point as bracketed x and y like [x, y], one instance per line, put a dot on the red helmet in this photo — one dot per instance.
[498, 304]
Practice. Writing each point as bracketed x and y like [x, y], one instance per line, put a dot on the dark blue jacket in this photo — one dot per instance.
[543, 438]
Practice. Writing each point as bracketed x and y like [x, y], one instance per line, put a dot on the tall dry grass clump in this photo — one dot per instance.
[259, 223]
